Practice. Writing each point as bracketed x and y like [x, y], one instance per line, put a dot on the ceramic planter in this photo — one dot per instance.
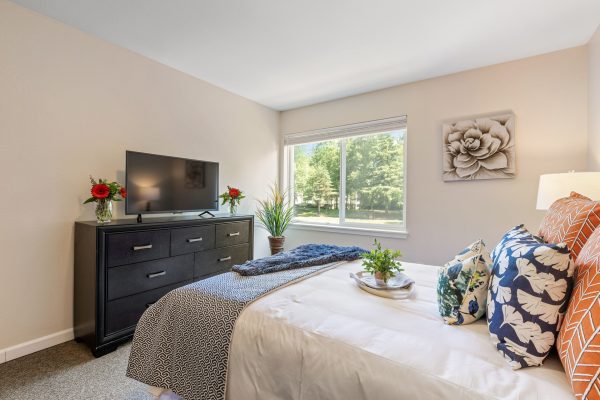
[379, 278]
[276, 244]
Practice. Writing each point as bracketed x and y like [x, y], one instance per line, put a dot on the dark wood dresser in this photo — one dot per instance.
[124, 267]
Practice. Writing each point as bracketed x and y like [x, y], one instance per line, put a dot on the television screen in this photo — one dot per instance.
[159, 184]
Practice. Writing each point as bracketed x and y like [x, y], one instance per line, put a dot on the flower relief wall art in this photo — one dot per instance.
[480, 148]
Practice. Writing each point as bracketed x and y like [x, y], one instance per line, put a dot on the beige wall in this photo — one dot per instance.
[70, 105]
[547, 93]
[594, 102]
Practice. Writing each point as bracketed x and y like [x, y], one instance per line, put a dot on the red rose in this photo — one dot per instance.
[123, 192]
[100, 191]
[233, 192]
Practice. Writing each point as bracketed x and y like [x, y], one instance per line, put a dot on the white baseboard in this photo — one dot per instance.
[22, 349]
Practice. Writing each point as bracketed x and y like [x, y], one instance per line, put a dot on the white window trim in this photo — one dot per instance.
[351, 230]
[344, 131]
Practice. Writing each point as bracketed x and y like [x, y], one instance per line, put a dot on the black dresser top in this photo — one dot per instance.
[166, 221]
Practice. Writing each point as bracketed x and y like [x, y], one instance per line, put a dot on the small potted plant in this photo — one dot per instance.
[382, 263]
[233, 196]
[103, 194]
[275, 214]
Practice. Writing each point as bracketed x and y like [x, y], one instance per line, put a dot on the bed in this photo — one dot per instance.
[324, 338]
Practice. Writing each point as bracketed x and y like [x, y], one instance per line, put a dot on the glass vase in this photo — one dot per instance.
[232, 209]
[104, 210]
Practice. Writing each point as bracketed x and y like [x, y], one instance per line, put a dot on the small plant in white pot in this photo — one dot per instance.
[383, 263]
[275, 214]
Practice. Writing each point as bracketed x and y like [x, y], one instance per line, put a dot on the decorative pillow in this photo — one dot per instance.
[528, 295]
[474, 249]
[462, 285]
[571, 220]
[512, 236]
[578, 342]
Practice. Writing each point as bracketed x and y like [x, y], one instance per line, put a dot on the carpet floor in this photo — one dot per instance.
[69, 371]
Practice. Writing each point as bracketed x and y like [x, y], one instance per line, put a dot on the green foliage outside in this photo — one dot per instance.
[374, 178]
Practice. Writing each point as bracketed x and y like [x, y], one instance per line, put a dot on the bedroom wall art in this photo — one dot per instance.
[479, 148]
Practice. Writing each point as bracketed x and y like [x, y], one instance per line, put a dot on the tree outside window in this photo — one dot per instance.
[353, 180]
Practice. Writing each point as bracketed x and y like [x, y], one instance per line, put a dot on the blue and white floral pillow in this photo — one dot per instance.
[463, 284]
[529, 291]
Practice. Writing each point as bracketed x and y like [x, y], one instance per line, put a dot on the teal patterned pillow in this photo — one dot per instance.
[463, 284]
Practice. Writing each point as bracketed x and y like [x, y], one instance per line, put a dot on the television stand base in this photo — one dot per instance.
[206, 212]
[139, 218]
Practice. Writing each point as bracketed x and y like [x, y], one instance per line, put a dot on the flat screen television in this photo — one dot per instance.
[163, 184]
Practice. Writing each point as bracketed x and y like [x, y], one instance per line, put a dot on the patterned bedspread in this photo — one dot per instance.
[182, 342]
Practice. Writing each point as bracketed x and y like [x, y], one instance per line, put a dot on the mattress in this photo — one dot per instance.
[324, 338]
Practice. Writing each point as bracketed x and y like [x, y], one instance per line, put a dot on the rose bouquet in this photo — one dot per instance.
[103, 194]
[233, 196]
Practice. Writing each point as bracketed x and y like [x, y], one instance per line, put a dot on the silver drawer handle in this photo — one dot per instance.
[194, 240]
[224, 259]
[156, 274]
[233, 234]
[144, 247]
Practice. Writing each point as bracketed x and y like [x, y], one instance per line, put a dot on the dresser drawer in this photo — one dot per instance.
[125, 312]
[190, 240]
[232, 233]
[135, 278]
[219, 260]
[131, 247]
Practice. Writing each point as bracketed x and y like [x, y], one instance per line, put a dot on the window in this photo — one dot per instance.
[349, 176]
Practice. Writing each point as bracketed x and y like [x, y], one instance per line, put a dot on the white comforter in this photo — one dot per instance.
[324, 338]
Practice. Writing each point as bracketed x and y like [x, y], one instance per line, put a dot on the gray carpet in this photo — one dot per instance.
[70, 371]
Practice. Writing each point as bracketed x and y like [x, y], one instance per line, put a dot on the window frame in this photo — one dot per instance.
[342, 133]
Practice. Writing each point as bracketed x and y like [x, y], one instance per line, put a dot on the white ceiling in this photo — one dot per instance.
[286, 54]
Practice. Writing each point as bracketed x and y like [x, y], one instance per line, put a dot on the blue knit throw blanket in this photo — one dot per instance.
[306, 255]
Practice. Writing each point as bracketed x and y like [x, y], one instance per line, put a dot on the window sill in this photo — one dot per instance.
[350, 230]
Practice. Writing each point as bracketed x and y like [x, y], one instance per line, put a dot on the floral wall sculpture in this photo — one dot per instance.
[480, 148]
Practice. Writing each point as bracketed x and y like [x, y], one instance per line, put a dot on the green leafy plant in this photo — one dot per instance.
[276, 212]
[382, 263]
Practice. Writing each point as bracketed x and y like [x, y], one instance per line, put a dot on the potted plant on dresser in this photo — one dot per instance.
[233, 196]
[275, 214]
[103, 194]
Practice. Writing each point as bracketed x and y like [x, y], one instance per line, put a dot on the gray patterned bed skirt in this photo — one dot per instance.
[182, 342]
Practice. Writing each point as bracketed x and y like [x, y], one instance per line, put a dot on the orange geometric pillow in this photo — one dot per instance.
[571, 220]
[578, 342]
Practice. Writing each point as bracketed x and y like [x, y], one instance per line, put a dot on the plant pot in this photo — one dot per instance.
[276, 244]
[379, 278]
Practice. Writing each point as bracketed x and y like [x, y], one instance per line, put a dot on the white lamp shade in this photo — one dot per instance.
[555, 186]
